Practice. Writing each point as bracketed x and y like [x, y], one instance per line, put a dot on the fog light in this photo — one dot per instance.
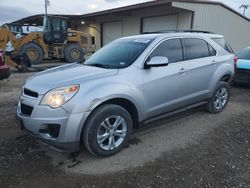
[52, 129]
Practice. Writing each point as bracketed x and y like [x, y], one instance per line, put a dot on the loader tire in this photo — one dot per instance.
[34, 52]
[73, 53]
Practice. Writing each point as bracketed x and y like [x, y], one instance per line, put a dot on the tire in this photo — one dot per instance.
[221, 95]
[34, 52]
[73, 53]
[95, 127]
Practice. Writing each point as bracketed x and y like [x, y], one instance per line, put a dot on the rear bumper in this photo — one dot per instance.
[4, 72]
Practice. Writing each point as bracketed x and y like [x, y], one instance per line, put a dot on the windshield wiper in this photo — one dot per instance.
[99, 65]
[81, 62]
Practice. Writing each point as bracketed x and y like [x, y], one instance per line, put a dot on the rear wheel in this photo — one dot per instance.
[220, 98]
[34, 52]
[107, 130]
[73, 53]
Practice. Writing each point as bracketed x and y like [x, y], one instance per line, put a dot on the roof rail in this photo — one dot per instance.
[179, 31]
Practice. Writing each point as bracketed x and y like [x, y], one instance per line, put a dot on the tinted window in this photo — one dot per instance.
[172, 49]
[195, 48]
[118, 54]
[244, 54]
[223, 43]
[212, 51]
[84, 40]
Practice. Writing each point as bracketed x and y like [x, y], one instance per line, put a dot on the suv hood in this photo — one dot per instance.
[66, 75]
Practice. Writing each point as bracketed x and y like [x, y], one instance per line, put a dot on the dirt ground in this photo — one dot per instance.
[191, 149]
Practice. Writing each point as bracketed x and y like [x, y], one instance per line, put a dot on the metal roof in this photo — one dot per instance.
[160, 2]
[38, 18]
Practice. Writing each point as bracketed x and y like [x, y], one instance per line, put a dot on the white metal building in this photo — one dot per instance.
[158, 15]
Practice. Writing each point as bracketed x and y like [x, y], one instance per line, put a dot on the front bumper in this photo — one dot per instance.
[38, 124]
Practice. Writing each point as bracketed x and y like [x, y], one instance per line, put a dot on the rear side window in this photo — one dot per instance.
[212, 51]
[196, 48]
[223, 43]
[172, 49]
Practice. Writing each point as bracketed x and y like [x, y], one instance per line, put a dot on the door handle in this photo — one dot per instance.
[214, 62]
[182, 71]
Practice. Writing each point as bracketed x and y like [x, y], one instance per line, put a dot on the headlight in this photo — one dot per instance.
[59, 96]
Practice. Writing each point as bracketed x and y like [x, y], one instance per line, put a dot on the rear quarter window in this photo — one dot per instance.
[223, 43]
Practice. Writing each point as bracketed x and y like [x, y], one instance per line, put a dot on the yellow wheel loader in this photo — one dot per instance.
[56, 41]
[65, 43]
[13, 47]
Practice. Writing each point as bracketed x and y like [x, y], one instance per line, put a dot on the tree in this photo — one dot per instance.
[245, 7]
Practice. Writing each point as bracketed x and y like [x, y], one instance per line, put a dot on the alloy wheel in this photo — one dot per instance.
[111, 132]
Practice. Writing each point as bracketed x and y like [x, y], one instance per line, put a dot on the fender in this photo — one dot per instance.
[101, 93]
[222, 70]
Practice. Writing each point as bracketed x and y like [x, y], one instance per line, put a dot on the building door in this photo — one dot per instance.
[111, 31]
[159, 23]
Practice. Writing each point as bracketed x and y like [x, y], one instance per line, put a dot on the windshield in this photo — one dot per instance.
[118, 54]
[244, 54]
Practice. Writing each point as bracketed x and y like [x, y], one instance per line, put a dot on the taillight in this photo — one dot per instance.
[235, 62]
[1, 57]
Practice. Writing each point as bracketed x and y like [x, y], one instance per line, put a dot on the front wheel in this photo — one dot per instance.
[220, 98]
[34, 52]
[73, 53]
[107, 130]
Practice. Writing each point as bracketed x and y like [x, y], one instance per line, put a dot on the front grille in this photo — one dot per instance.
[26, 110]
[30, 93]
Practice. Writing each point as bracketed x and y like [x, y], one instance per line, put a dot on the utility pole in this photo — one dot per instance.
[46, 6]
[245, 7]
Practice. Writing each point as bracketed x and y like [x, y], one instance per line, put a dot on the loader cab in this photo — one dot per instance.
[55, 29]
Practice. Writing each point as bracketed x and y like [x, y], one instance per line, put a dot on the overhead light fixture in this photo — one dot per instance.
[83, 22]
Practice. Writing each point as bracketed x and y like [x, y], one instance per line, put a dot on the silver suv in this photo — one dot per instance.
[130, 81]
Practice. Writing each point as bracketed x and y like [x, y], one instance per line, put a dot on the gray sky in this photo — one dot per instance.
[11, 10]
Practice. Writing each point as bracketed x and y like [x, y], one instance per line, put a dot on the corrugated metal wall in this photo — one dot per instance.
[132, 20]
[220, 20]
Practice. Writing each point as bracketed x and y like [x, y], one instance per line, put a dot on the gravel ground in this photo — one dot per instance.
[191, 149]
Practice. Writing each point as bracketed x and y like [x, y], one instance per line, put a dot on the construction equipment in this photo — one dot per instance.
[65, 43]
[56, 41]
[13, 47]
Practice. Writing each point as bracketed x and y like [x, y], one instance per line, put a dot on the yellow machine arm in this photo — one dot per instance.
[5, 36]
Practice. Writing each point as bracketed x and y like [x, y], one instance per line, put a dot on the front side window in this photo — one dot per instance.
[56, 25]
[172, 49]
[195, 48]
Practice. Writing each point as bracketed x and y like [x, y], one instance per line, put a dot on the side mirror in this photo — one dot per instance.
[157, 61]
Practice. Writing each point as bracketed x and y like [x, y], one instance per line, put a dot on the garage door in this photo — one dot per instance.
[159, 23]
[111, 31]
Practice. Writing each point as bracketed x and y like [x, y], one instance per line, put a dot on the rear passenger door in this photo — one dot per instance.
[200, 60]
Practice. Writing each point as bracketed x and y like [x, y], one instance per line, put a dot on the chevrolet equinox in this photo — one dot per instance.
[130, 81]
